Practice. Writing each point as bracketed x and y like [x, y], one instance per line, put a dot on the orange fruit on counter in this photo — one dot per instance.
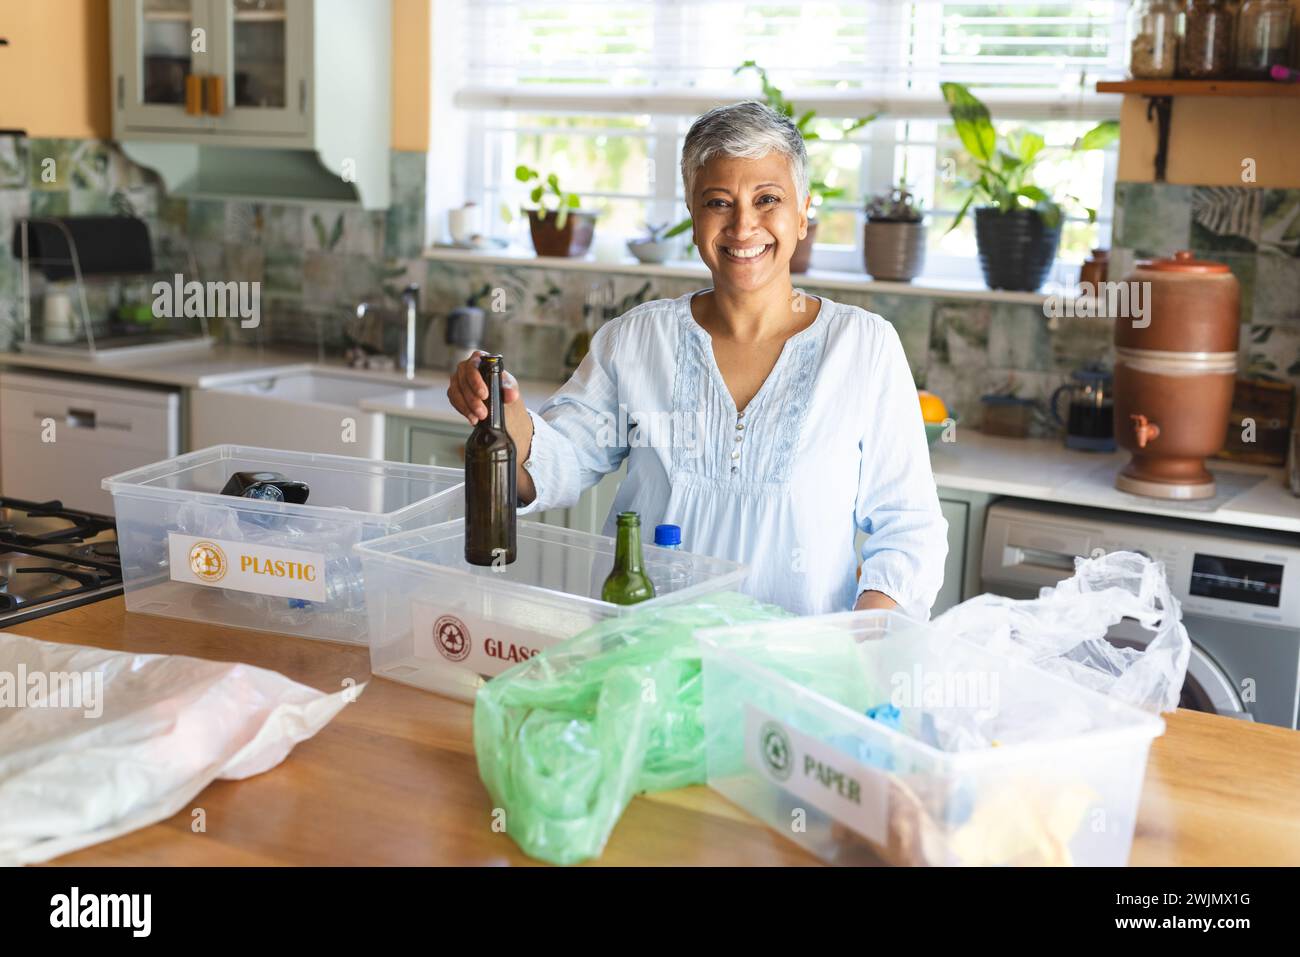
[933, 409]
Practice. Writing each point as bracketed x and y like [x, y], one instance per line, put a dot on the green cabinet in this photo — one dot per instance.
[423, 442]
[965, 512]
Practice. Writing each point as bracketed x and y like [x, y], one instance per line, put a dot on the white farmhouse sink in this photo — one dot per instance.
[309, 411]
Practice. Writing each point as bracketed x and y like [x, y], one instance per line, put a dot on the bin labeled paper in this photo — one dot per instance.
[826, 778]
[247, 566]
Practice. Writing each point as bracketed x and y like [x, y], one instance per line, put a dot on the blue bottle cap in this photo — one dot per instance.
[668, 535]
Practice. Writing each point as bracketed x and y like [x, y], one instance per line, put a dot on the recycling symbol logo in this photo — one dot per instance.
[775, 748]
[452, 638]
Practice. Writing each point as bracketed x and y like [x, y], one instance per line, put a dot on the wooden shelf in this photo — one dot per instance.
[1241, 88]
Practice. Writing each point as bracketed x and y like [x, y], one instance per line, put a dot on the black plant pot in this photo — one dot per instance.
[1016, 248]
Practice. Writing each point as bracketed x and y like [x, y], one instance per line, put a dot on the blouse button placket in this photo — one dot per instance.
[740, 429]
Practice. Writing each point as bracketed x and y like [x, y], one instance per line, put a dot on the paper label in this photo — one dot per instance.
[854, 794]
[486, 648]
[247, 566]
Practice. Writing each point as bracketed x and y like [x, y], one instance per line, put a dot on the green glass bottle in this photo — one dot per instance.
[490, 494]
[628, 583]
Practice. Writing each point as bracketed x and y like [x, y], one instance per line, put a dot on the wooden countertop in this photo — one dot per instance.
[392, 780]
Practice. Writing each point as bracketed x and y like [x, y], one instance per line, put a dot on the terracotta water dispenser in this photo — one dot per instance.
[1175, 368]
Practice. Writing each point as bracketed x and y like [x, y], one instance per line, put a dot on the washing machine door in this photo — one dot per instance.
[1207, 687]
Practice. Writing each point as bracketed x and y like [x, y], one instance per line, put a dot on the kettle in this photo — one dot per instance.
[1089, 421]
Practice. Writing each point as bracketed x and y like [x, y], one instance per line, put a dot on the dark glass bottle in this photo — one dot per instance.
[628, 582]
[490, 495]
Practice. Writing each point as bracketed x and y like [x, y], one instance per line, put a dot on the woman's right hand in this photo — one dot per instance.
[468, 392]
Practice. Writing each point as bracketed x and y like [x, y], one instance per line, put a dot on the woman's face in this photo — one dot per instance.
[747, 219]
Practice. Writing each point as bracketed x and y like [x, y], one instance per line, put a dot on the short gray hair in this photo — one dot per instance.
[748, 130]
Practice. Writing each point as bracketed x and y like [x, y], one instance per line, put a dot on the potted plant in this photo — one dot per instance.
[893, 239]
[557, 225]
[658, 244]
[1017, 224]
[818, 189]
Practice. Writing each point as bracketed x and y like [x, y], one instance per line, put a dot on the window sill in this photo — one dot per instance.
[687, 269]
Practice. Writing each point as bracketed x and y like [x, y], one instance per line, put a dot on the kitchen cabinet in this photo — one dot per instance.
[279, 98]
[965, 512]
[443, 444]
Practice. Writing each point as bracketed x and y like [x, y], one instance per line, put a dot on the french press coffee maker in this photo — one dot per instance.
[1089, 420]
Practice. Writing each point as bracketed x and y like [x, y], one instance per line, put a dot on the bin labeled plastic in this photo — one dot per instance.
[188, 551]
[444, 625]
[869, 738]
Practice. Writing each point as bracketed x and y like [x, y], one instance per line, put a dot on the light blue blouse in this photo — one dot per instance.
[833, 442]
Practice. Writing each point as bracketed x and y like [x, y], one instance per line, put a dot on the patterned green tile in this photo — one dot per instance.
[1077, 342]
[92, 166]
[323, 228]
[14, 162]
[1276, 291]
[245, 222]
[1279, 230]
[1273, 353]
[1154, 218]
[50, 163]
[283, 227]
[1225, 218]
[911, 316]
[283, 270]
[89, 202]
[1018, 338]
[50, 203]
[207, 220]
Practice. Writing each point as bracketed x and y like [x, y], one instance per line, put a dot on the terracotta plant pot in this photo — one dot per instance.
[1016, 248]
[893, 251]
[573, 240]
[802, 257]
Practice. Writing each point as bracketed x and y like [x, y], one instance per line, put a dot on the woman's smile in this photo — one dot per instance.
[748, 253]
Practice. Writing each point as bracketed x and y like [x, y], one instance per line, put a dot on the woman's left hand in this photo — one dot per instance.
[874, 600]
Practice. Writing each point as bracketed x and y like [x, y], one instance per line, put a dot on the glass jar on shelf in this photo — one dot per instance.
[1263, 37]
[1153, 39]
[1205, 42]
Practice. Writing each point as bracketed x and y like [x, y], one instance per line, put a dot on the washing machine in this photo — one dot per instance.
[1239, 589]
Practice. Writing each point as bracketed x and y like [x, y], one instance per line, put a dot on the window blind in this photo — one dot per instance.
[1027, 60]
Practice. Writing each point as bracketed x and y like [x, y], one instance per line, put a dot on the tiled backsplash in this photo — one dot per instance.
[316, 262]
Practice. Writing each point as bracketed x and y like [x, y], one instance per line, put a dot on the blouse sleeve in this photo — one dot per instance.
[575, 433]
[898, 505]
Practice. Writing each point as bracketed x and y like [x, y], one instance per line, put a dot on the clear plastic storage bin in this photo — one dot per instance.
[190, 552]
[967, 757]
[441, 624]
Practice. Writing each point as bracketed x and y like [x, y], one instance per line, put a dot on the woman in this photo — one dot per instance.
[768, 424]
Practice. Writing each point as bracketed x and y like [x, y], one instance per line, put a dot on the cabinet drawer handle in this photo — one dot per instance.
[216, 94]
[83, 419]
[193, 94]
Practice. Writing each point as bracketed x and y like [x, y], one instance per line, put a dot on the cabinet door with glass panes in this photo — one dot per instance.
[262, 49]
[163, 56]
[224, 67]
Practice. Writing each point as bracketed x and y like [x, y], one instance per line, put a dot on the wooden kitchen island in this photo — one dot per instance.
[392, 780]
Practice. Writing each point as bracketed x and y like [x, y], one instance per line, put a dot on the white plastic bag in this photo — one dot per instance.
[1063, 630]
[95, 744]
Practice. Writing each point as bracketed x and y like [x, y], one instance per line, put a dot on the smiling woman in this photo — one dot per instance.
[804, 420]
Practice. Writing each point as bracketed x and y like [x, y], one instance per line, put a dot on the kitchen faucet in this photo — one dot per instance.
[411, 303]
[369, 334]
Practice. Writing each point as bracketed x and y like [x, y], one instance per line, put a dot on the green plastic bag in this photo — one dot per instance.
[567, 738]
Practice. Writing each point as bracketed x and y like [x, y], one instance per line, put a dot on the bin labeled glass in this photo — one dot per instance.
[188, 551]
[869, 738]
[442, 624]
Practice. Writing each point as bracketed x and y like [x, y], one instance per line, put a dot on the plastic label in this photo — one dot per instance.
[828, 779]
[452, 637]
[247, 566]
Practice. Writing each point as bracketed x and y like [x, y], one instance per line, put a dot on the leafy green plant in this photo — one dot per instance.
[896, 206]
[547, 195]
[1005, 180]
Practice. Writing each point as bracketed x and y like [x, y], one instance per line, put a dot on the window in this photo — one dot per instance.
[602, 91]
